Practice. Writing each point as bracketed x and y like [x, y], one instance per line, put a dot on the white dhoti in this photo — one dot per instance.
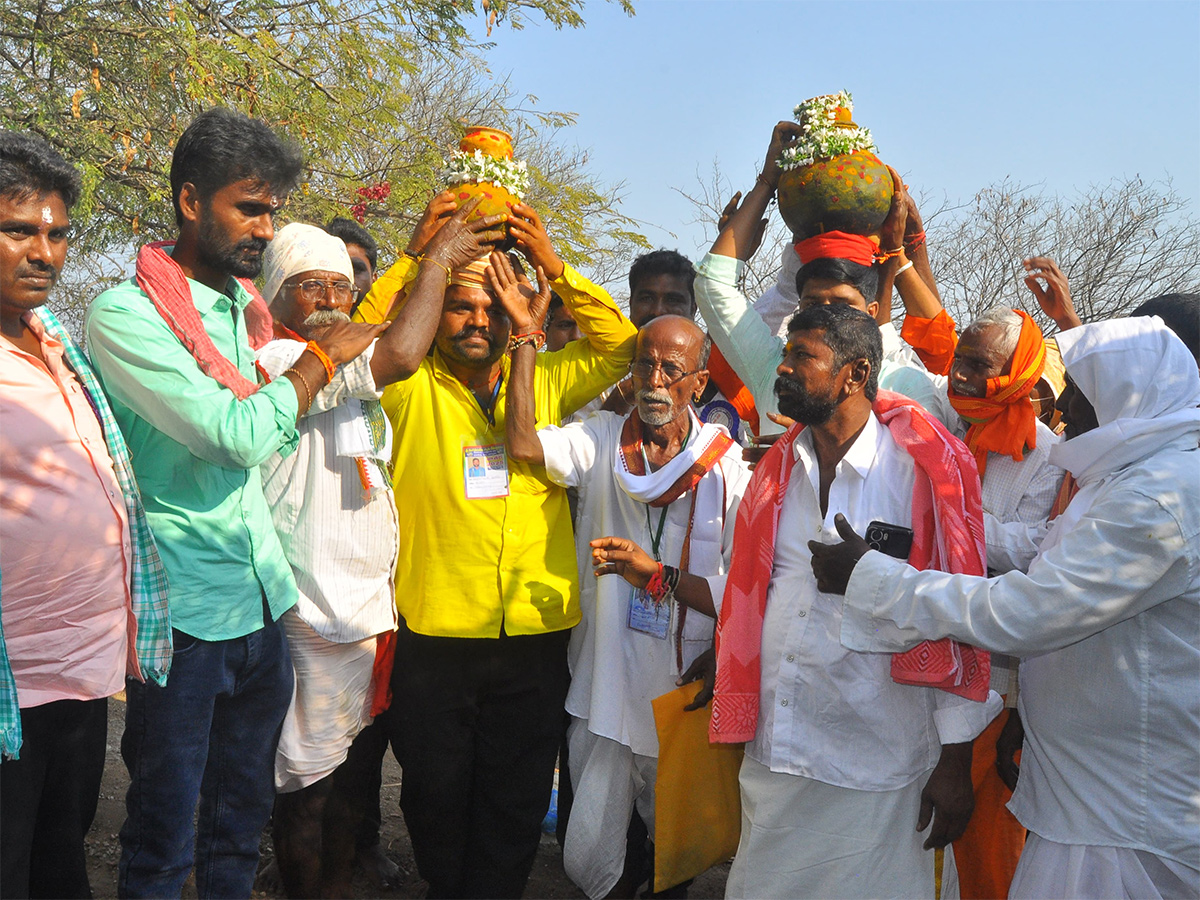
[610, 780]
[1050, 869]
[805, 838]
[331, 704]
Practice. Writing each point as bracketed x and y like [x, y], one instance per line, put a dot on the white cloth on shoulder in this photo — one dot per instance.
[331, 704]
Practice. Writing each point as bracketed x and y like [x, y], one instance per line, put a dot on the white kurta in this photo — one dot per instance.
[342, 547]
[616, 671]
[832, 780]
[1107, 620]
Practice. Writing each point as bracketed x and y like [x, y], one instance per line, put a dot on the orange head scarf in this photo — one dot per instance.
[1003, 421]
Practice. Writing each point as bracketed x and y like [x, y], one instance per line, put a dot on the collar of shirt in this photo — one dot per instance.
[860, 457]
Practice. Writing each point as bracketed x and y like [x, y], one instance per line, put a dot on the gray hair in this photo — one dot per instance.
[1006, 320]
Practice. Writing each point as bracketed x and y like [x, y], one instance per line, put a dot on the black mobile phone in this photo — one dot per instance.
[894, 540]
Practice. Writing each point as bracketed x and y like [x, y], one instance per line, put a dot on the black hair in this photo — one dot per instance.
[864, 279]
[352, 233]
[1180, 313]
[662, 262]
[29, 166]
[555, 302]
[850, 333]
[222, 146]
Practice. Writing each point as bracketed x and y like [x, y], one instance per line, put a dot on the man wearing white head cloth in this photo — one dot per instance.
[1106, 623]
[332, 505]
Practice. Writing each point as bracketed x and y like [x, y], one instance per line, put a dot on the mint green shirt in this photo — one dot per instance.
[196, 449]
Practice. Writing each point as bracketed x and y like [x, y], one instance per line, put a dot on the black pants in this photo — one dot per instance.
[475, 725]
[48, 799]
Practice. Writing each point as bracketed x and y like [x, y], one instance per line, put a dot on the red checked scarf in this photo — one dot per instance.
[167, 287]
[947, 522]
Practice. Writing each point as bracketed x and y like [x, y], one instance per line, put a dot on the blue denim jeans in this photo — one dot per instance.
[209, 736]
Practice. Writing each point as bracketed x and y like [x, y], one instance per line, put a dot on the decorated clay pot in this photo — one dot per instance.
[492, 141]
[850, 193]
[493, 199]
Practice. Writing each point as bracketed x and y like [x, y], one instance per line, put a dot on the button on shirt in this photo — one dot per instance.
[471, 566]
[64, 537]
[196, 450]
[826, 712]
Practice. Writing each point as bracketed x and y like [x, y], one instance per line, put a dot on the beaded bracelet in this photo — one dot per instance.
[315, 349]
[537, 338]
[304, 382]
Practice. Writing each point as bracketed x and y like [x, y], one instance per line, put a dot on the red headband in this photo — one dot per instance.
[837, 244]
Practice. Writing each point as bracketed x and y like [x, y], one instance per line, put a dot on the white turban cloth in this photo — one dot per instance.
[302, 248]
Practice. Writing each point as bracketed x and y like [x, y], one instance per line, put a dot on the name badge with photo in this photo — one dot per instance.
[648, 617]
[485, 472]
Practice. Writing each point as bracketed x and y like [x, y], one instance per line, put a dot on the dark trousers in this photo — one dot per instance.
[364, 775]
[48, 799]
[208, 737]
[475, 726]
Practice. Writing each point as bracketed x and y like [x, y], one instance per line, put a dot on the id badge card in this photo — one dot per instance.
[485, 472]
[648, 617]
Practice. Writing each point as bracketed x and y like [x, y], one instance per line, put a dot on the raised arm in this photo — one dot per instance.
[743, 233]
[1049, 286]
[399, 352]
[526, 310]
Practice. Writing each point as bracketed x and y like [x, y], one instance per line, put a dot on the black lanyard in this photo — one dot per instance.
[489, 411]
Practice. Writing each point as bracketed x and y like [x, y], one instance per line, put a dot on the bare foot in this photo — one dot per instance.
[382, 872]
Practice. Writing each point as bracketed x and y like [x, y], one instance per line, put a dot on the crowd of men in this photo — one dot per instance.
[942, 583]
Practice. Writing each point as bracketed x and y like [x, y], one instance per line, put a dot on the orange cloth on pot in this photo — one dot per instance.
[1003, 421]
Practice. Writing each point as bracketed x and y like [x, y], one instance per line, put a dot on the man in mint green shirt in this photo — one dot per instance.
[173, 352]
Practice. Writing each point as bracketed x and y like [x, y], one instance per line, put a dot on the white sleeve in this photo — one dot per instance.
[571, 450]
[959, 720]
[1012, 545]
[1127, 554]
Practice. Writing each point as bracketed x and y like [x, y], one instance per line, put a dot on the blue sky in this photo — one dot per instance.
[957, 94]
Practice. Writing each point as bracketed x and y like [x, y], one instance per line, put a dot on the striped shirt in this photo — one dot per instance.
[342, 547]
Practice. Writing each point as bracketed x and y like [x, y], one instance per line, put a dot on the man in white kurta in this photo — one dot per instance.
[1107, 622]
[627, 650]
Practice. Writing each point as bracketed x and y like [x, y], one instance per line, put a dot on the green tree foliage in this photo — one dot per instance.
[374, 90]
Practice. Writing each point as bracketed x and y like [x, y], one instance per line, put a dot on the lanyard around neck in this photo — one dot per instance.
[489, 411]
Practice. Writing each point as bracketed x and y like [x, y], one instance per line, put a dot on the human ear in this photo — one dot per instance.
[189, 202]
[701, 384]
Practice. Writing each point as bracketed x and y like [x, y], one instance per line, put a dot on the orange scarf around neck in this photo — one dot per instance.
[1003, 421]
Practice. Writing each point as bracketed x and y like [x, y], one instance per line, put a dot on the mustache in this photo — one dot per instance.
[653, 396]
[257, 245]
[472, 331]
[38, 268]
[786, 384]
[322, 317]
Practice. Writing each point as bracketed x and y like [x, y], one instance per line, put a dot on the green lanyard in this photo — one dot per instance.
[656, 539]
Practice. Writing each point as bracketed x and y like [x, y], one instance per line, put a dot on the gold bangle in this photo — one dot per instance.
[304, 382]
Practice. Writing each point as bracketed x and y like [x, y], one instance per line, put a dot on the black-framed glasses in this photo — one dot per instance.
[671, 373]
[316, 289]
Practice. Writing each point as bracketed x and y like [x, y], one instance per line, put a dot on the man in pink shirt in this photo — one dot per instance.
[83, 597]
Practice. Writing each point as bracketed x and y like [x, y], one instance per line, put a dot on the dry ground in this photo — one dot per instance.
[548, 879]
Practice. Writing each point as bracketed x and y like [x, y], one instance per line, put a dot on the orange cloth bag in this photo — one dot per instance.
[697, 804]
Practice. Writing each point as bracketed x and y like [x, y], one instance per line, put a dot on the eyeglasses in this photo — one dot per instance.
[671, 373]
[314, 290]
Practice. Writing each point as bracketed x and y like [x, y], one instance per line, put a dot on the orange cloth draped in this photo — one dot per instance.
[733, 388]
[986, 855]
[933, 340]
[1003, 421]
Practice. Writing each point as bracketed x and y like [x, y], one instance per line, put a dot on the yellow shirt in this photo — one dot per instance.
[376, 306]
[469, 566]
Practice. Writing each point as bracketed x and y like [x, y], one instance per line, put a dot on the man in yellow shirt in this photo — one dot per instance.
[486, 583]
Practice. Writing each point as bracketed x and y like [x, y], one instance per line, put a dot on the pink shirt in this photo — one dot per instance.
[64, 538]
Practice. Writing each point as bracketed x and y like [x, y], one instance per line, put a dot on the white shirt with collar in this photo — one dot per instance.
[825, 712]
[341, 546]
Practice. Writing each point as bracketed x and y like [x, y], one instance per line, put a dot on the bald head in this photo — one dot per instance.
[677, 333]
